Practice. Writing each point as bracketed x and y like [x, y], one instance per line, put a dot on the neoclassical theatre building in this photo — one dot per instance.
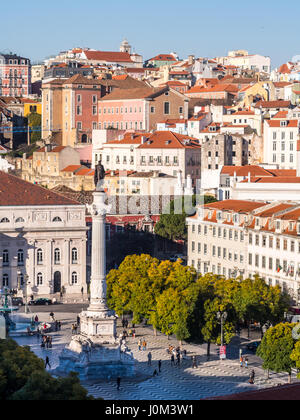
[42, 240]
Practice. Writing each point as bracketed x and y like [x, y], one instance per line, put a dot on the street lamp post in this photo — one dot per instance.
[222, 316]
[25, 294]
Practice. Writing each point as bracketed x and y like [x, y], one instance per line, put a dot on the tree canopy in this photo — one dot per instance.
[23, 377]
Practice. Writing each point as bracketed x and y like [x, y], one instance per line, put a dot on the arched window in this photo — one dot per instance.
[5, 280]
[4, 220]
[20, 257]
[39, 256]
[39, 279]
[57, 256]
[20, 220]
[74, 256]
[57, 219]
[5, 257]
[74, 278]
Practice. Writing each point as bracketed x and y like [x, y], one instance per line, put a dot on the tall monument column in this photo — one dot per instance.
[95, 352]
[98, 275]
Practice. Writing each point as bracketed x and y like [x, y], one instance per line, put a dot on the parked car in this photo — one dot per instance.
[41, 302]
[177, 257]
[17, 301]
[253, 346]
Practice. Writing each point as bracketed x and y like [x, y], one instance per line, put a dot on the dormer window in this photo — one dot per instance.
[298, 228]
[219, 215]
[209, 214]
[277, 225]
[291, 226]
[4, 220]
[283, 123]
[257, 222]
[236, 218]
[228, 217]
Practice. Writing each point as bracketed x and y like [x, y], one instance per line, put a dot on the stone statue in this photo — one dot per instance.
[99, 173]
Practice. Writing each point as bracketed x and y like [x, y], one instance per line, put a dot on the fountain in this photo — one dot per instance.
[14, 328]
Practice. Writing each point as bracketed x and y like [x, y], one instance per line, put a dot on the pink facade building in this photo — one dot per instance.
[15, 75]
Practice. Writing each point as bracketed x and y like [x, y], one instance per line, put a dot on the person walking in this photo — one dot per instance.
[118, 383]
[47, 363]
[82, 290]
[194, 361]
[159, 366]
[149, 359]
[252, 377]
[144, 345]
[139, 345]
[178, 360]
[246, 363]
[241, 362]
[172, 360]
[133, 333]
[52, 316]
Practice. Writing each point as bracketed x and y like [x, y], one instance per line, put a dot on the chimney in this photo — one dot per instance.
[249, 176]
[112, 173]
[144, 139]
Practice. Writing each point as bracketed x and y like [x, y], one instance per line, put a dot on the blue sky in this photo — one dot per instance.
[37, 29]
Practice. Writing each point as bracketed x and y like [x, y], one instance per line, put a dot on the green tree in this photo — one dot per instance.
[23, 377]
[276, 349]
[41, 386]
[35, 123]
[172, 223]
[295, 356]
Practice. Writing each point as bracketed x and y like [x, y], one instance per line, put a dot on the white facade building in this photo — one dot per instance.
[280, 142]
[42, 240]
[243, 238]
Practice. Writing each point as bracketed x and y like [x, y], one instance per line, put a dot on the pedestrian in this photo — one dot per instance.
[59, 325]
[246, 363]
[52, 316]
[252, 377]
[82, 290]
[47, 363]
[194, 361]
[172, 360]
[118, 383]
[36, 319]
[126, 323]
[78, 320]
[241, 362]
[144, 345]
[155, 373]
[139, 345]
[178, 360]
[133, 332]
[149, 359]
[73, 329]
[159, 366]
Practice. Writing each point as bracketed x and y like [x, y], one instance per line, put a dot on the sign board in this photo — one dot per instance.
[223, 352]
[2, 328]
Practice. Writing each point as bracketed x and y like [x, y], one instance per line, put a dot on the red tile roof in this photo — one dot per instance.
[235, 205]
[277, 123]
[170, 140]
[109, 56]
[244, 170]
[17, 192]
[273, 104]
[163, 57]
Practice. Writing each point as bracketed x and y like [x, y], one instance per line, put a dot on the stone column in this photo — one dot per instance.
[98, 278]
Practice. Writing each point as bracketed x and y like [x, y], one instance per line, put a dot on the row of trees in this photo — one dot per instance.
[280, 349]
[23, 377]
[177, 301]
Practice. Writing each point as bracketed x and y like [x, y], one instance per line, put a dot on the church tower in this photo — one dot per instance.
[125, 47]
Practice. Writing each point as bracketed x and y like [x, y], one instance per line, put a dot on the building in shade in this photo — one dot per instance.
[42, 240]
[15, 75]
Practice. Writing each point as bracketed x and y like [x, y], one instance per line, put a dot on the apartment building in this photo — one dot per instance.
[15, 75]
[140, 108]
[243, 238]
[280, 142]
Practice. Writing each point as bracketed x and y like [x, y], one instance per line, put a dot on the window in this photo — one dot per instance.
[167, 108]
[39, 279]
[180, 110]
[57, 219]
[205, 249]
[5, 257]
[4, 220]
[20, 257]
[74, 278]
[57, 256]
[5, 280]
[39, 256]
